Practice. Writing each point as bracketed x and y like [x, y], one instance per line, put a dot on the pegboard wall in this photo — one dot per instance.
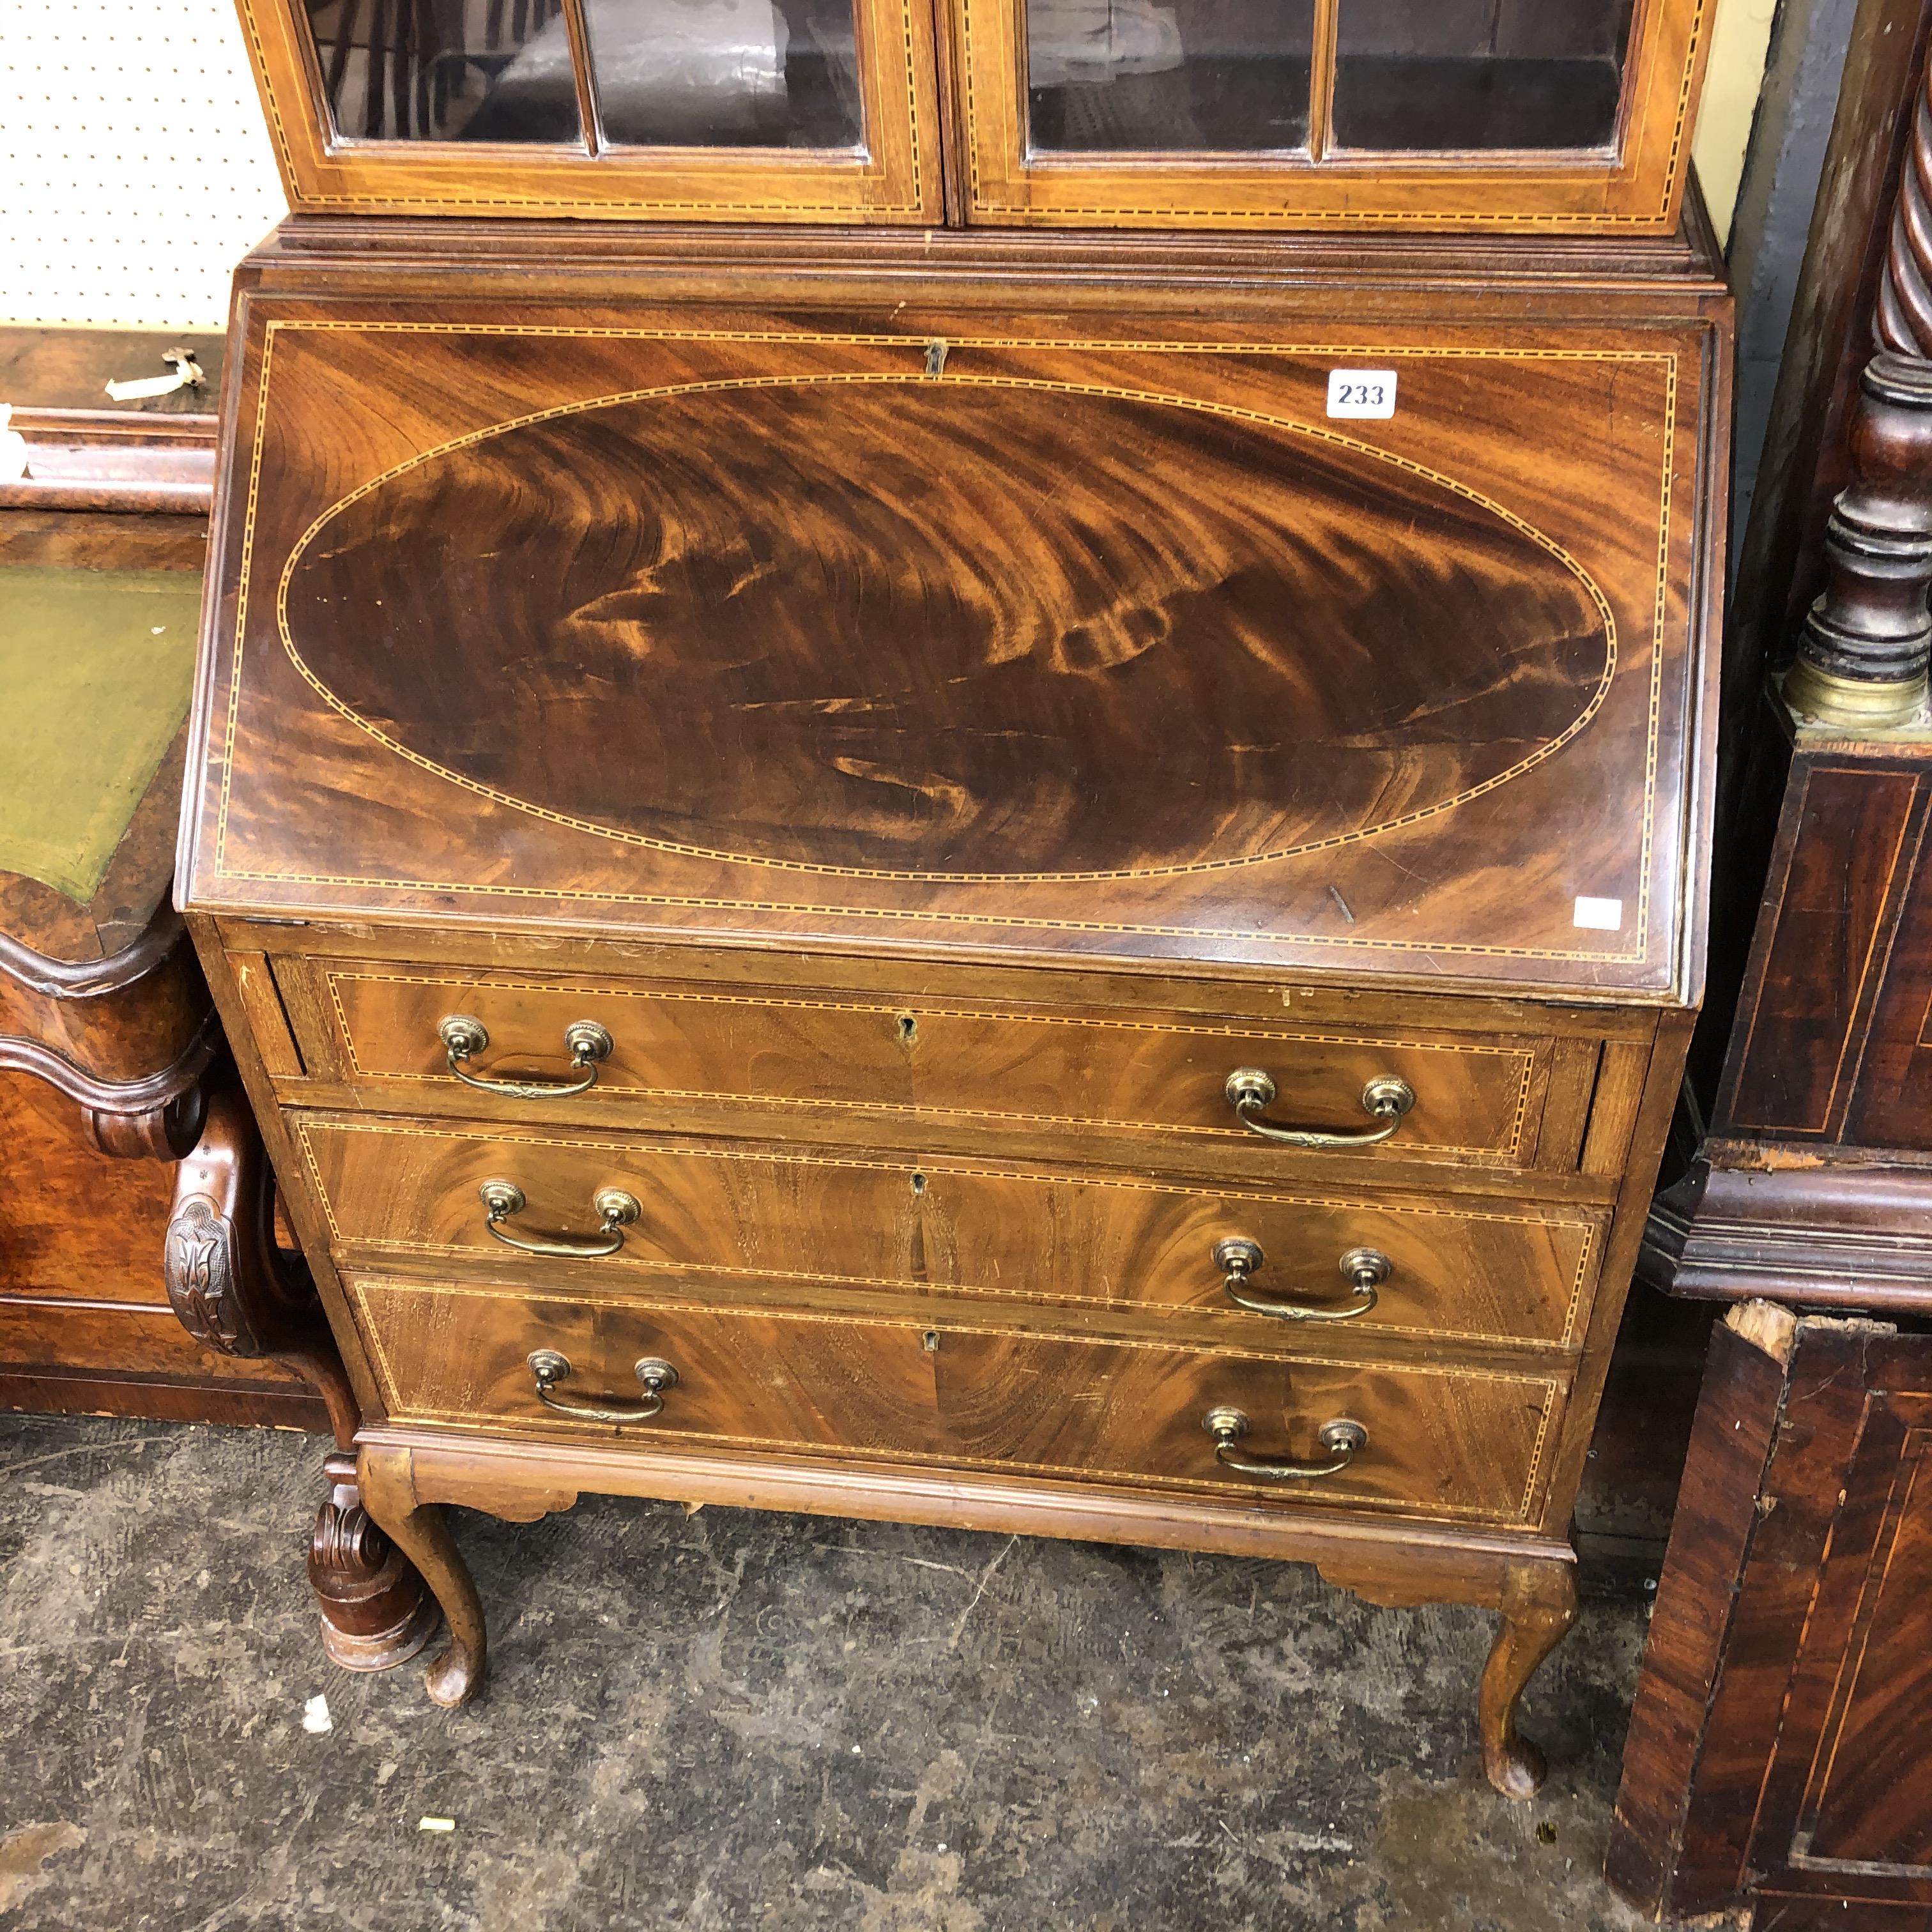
[135, 170]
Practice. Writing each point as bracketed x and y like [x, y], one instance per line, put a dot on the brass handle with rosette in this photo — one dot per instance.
[1239, 1258]
[1343, 1439]
[464, 1037]
[549, 1368]
[616, 1211]
[1251, 1092]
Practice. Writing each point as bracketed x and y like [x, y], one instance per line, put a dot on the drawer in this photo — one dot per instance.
[721, 1212]
[692, 1057]
[1462, 1444]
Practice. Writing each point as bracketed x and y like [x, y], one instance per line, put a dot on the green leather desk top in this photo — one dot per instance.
[96, 667]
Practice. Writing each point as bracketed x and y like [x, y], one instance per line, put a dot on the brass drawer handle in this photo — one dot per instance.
[550, 1368]
[1250, 1093]
[1238, 1258]
[1343, 1440]
[615, 1209]
[464, 1037]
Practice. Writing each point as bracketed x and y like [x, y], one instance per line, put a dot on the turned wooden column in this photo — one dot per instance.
[1862, 660]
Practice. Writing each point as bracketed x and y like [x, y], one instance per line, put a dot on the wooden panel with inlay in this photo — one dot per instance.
[827, 1222]
[1025, 682]
[911, 1064]
[893, 176]
[1467, 1445]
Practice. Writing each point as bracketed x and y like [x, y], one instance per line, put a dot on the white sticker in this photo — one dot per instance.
[1600, 915]
[1361, 392]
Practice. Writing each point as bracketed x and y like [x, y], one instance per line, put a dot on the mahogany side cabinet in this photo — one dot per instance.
[993, 810]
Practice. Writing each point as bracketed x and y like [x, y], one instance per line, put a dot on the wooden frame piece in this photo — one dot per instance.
[1636, 188]
[895, 178]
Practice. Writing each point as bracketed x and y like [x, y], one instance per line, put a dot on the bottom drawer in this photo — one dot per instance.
[1470, 1444]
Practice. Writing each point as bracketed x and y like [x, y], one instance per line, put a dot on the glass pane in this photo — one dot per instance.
[725, 73]
[434, 70]
[1479, 73]
[1200, 74]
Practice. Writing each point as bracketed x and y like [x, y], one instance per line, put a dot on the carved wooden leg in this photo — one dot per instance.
[235, 1294]
[1539, 1603]
[388, 1479]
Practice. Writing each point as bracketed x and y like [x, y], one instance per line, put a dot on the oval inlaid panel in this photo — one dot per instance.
[944, 628]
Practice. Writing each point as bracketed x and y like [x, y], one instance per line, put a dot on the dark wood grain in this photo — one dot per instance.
[1466, 1447]
[969, 603]
[153, 455]
[1778, 1748]
[84, 1323]
[832, 1223]
[1683, 1814]
[1831, 1045]
[59, 366]
[1132, 1069]
[1862, 656]
[878, 843]
[1853, 839]
[1847, 1233]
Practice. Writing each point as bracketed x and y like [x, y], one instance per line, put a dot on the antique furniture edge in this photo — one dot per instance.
[429, 255]
[405, 1475]
[531, 1478]
[1834, 1234]
[1721, 1739]
[113, 459]
[87, 450]
[77, 979]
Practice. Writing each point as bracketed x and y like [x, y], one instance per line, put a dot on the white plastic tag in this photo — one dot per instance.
[1600, 915]
[1361, 392]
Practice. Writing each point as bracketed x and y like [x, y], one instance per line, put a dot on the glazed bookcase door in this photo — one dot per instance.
[1556, 115]
[682, 110]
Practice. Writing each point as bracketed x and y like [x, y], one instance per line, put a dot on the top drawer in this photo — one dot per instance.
[687, 1057]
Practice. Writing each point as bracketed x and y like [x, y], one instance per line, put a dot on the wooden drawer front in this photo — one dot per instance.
[1478, 1098]
[726, 1211]
[1466, 1444]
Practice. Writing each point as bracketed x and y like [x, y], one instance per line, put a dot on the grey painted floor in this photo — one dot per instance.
[726, 1719]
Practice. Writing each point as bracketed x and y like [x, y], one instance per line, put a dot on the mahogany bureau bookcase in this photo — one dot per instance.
[992, 810]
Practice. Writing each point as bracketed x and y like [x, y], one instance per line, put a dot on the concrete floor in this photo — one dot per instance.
[727, 1720]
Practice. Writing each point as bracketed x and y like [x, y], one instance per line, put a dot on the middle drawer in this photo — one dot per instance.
[494, 1198]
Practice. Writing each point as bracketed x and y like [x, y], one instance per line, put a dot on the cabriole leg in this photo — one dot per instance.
[1539, 1603]
[387, 1479]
